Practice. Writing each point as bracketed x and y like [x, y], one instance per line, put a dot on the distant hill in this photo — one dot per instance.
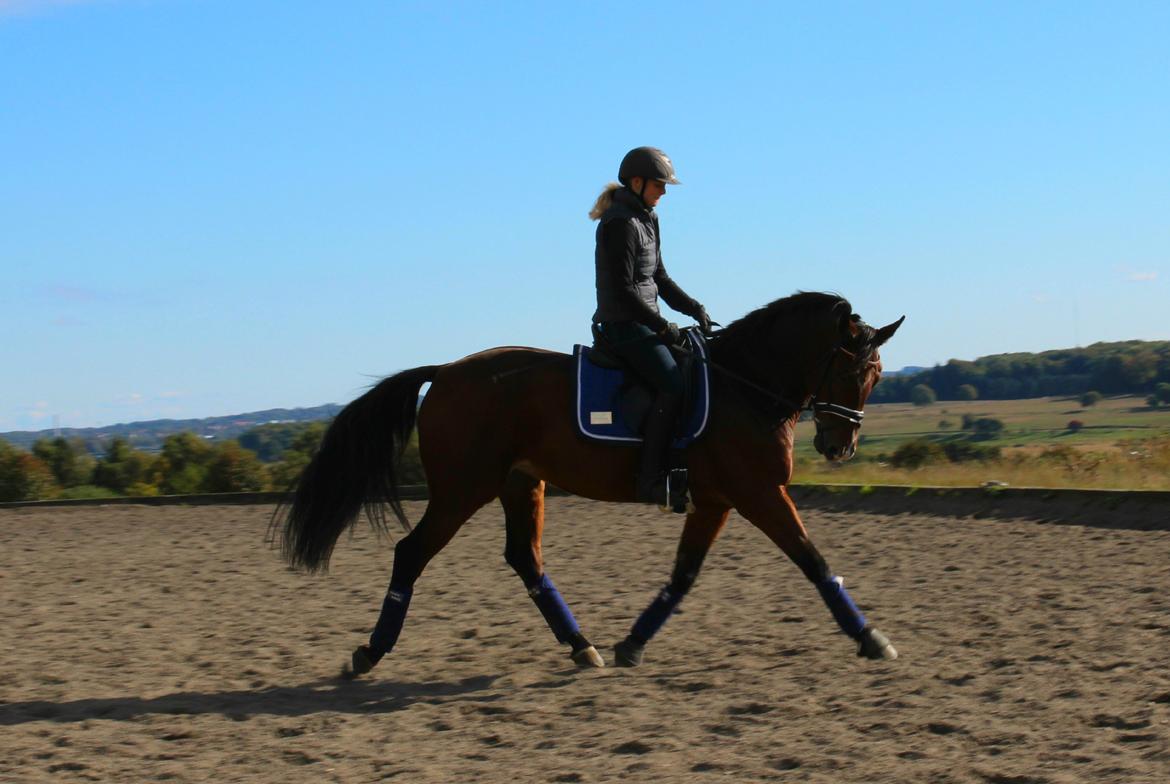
[1131, 367]
[149, 436]
[909, 370]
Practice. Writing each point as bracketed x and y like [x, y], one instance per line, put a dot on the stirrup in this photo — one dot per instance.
[678, 499]
[668, 492]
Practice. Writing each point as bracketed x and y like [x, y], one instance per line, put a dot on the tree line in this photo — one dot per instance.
[268, 457]
[1132, 367]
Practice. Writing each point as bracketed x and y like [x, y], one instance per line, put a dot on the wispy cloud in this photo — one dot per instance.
[1142, 277]
[38, 411]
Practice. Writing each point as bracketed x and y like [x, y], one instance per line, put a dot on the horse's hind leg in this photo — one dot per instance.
[445, 514]
[702, 527]
[523, 501]
[773, 512]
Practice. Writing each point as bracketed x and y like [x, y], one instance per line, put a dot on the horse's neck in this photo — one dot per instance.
[785, 377]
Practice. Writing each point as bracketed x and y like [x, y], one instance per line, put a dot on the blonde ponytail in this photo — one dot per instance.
[603, 201]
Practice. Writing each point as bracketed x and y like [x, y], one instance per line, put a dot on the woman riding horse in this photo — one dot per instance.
[499, 424]
[630, 276]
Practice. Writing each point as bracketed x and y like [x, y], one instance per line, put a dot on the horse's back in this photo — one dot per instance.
[499, 379]
[505, 356]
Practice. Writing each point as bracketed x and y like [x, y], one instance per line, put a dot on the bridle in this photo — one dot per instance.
[851, 415]
[787, 407]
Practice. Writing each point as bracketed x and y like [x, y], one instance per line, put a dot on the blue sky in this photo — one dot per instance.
[211, 207]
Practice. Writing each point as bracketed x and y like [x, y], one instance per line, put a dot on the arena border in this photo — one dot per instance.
[1129, 509]
[1145, 510]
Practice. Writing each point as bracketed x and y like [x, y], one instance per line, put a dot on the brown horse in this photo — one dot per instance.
[500, 424]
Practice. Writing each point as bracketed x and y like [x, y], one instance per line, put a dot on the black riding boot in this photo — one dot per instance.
[660, 423]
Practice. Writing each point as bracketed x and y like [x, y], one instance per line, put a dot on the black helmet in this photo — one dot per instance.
[648, 162]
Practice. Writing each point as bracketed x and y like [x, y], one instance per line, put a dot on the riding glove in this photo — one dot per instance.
[671, 334]
[705, 322]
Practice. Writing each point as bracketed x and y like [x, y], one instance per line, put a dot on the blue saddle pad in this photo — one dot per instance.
[599, 411]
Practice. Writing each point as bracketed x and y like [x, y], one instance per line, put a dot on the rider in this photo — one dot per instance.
[630, 276]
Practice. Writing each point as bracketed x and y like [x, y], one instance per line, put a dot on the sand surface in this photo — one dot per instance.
[152, 644]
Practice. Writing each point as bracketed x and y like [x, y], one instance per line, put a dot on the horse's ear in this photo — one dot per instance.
[886, 332]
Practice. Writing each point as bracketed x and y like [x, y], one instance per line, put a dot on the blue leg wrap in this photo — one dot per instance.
[389, 624]
[654, 616]
[845, 612]
[556, 613]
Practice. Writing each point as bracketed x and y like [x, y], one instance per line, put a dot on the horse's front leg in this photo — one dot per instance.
[523, 501]
[699, 532]
[774, 513]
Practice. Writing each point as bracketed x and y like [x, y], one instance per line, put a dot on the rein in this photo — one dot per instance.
[782, 403]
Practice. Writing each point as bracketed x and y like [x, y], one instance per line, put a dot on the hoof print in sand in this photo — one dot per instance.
[942, 728]
[632, 747]
[1117, 722]
[750, 709]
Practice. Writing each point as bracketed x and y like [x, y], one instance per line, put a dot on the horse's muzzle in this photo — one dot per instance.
[834, 452]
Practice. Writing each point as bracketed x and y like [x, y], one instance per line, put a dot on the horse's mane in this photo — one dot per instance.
[811, 308]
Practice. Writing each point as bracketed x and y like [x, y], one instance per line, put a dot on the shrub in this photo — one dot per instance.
[922, 395]
[69, 460]
[23, 476]
[986, 428]
[1162, 393]
[182, 466]
[282, 475]
[1091, 398]
[122, 466]
[967, 392]
[916, 453]
[233, 469]
[1074, 425]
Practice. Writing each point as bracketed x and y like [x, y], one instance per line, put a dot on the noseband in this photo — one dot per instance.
[850, 415]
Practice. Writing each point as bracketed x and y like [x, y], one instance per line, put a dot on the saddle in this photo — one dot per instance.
[612, 402]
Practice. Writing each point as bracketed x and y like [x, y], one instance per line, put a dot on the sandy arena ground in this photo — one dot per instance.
[151, 644]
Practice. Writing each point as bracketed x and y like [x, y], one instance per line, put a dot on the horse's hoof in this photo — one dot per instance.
[628, 653]
[362, 662]
[588, 657]
[874, 645]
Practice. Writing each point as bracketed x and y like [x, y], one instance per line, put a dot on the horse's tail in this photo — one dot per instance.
[355, 468]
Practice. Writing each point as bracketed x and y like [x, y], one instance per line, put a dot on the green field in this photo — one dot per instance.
[1123, 443]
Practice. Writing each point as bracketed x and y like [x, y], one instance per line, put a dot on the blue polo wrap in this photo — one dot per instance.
[845, 612]
[556, 613]
[654, 616]
[390, 621]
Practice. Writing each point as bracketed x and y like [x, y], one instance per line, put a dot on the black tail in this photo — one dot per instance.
[355, 467]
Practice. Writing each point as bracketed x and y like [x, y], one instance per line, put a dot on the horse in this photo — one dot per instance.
[499, 424]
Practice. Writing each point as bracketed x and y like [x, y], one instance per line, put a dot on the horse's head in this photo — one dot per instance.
[851, 371]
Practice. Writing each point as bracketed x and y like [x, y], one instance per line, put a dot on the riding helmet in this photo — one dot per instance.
[649, 162]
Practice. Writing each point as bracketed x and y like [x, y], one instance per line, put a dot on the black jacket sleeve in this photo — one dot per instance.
[621, 248]
[672, 294]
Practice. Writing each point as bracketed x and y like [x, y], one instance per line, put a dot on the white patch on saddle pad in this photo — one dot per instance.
[601, 417]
